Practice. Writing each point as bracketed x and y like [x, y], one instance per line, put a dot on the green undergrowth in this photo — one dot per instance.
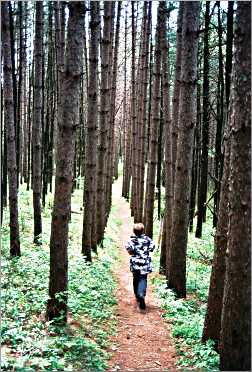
[186, 316]
[29, 342]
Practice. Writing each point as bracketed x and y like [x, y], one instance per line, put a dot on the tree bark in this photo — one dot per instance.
[133, 109]
[168, 143]
[10, 132]
[142, 141]
[89, 218]
[127, 133]
[152, 157]
[235, 338]
[14, 78]
[212, 324]
[205, 129]
[220, 118]
[176, 89]
[229, 49]
[187, 120]
[37, 122]
[68, 120]
[104, 124]
[196, 160]
[111, 142]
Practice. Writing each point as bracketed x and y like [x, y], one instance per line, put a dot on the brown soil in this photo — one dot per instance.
[143, 341]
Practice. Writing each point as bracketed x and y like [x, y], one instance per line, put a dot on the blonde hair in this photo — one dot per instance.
[138, 228]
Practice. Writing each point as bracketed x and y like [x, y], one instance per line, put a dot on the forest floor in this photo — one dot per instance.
[143, 341]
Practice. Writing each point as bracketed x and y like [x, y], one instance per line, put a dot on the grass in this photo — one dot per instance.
[187, 315]
[29, 342]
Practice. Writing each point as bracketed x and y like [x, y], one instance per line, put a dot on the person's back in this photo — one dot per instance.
[139, 246]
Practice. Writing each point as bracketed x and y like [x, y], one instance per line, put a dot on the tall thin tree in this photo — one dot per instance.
[37, 122]
[152, 156]
[67, 124]
[89, 219]
[10, 132]
[205, 129]
[176, 89]
[103, 122]
[187, 120]
[235, 339]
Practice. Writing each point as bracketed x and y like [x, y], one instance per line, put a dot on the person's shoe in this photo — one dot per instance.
[142, 303]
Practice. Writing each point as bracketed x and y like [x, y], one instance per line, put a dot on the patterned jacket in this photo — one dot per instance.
[139, 247]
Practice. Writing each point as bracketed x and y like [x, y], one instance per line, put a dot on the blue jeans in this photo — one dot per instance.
[139, 284]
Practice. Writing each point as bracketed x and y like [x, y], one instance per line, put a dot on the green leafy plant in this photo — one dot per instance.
[29, 342]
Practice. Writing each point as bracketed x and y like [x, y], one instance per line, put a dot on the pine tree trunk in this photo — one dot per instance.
[20, 93]
[25, 103]
[68, 121]
[167, 227]
[4, 170]
[48, 109]
[37, 122]
[220, 118]
[187, 120]
[59, 12]
[111, 142]
[142, 143]
[205, 129]
[235, 338]
[176, 89]
[152, 157]
[29, 125]
[89, 218]
[110, 88]
[104, 124]
[126, 155]
[196, 161]
[14, 79]
[133, 109]
[229, 49]
[212, 325]
[10, 132]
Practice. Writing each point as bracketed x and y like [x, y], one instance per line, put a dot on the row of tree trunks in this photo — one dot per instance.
[230, 285]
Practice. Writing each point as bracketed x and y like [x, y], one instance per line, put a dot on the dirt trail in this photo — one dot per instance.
[143, 342]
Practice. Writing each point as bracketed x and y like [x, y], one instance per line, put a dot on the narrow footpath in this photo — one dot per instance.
[143, 341]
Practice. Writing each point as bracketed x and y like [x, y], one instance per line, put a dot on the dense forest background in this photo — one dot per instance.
[153, 96]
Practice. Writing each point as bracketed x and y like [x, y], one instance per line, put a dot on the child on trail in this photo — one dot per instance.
[139, 246]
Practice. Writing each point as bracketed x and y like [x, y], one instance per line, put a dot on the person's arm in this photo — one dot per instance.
[130, 248]
[151, 245]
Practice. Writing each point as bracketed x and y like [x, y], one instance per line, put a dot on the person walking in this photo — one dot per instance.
[139, 247]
